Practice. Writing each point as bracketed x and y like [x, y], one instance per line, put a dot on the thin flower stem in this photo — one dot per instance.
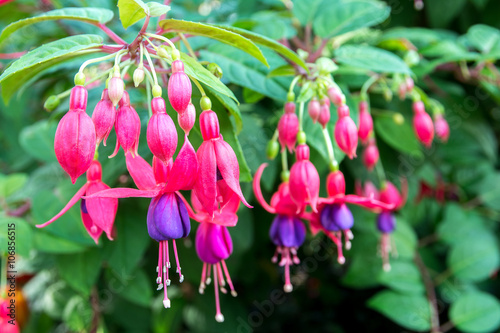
[430, 291]
[284, 160]
[141, 55]
[125, 70]
[301, 115]
[188, 46]
[150, 62]
[379, 168]
[329, 148]
[446, 327]
[148, 92]
[165, 39]
[92, 61]
[111, 34]
[150, 42]
[198, 85]
[367, 85]
[294, 82]
[148, 76]
[275, 135]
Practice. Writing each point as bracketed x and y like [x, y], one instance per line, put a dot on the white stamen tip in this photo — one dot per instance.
[387, 267]
[234, 293]
[219, 318]
[157, 269]
[168, 264]
[288, 288]
[348, 245]
[166, 303]
[208, 281]
[164, 269]
[158, 280]
[168, 282]
[201, 290]
[274, 260]
[341, 260]
[223, 290]
[181, 278]
[160, 287]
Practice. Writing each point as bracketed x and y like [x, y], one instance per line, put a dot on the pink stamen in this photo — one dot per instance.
[219, 317]
[159, 267]
[181, 277]
[166, 282]
[228, 278]
[201, 290]
[288, 285]
[385, 249]
[222, 283]
[209, 271]
[338, 243]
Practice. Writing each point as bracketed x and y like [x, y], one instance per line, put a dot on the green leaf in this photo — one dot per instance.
[45, 242]
[246, 76]
[371, 58]
[441, 13]
[305, 10]
[157, 9]
[80, 270]
[285, 70]
[21, 232]
[398, 136]
[272, 44]
[11, 183]
[339, 17]
[221, 34]
[44, 57]
[476, 258]
[38, 140]
[135, 287]
[89, 15]
[410, 311]
[459, 224]
[132, 11]
[77, 314]
[484, 38]
[405, 239]
[476, 312]
[403, 277]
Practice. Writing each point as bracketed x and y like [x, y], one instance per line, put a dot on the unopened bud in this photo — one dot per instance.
[162, 53]
[79, 79]
[51, 103]
[138, 76]
[272, 149]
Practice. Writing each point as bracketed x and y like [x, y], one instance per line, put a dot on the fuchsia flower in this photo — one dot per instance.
[104, 116]
[370, 155]
[422, 124]
[365, 122]
[442, 127]
[304, 180]
[346, 132]
[217, 161]
[127, 127]
[287, 230]
[288, 127]
[179, 87]
[98, 214]
[75, 138]
[116, 89]
[324, 113]
[334, 218]
[314, 109]
[161, 132]
[187, 118]
[336, 96]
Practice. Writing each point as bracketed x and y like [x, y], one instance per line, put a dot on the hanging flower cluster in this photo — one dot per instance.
[211, 173]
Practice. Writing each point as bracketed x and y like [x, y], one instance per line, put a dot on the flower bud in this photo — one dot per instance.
[442, 128]
[138, 76]
[335, 183]
[370, 155]
[314, 110]
[51, 103]
[336, 96]
[127, 127]
[288, 127]
[209, 125]
[215, 70]
[116, 87]
[424, 128]
[187, 118]
[213, 243]
[104, 116]
[75, 138]
[402, 90]
[365, 122]
[343, 111]
[410, 84]
[324, 114]
[346, 136]
[161, 132]
[272, 149]
[179, 87]
[390, 195]
[304, 180]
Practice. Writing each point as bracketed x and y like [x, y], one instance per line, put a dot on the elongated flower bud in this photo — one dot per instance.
[288, 127]
[365, 122]
[442, 128]
[314, 110]
[336, 96]
[138, 76]
[75, 138]
[104, 116]
[304, 180]
[127, 127]
[335, 183]
[346, 136]
[116, 87]
[390, 195]
[187, 118]
[161, 133]
[370, 155]
[179, 87]
[324, 113]
[209, 125]
[422, 124]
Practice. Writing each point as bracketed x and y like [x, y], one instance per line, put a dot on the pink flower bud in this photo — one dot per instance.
[161, 133]
[314, 110]
[410, 84]
[187, 118]
[442, 128]
[127, 127]
[288, 127]
[179, 87]
[116, 87]
[370, 155]
[365, 122]
[324, 114]
[343, 111]
[75, 138]
[335, 183]
[422, 125]
[418, 107]
[346, 135]
[104, 116]
[336, 96]
[209, 125]
[304, 180]
[390, 195]
[402, 91]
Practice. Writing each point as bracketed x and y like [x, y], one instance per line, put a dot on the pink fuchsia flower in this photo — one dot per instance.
[116, 88]
[98, 214]
[391, 195]
[161, 132]
[368, 190]
[324, 112]
[127, 127]
[346, 132]
[314, 109]
[187, 118]
[217, 161]
[370, 155]
[442, 127]
[75, 138]
[168, 217]
[104, 116]
[304, 180]
[179, 87]
[422, 124]
[288, 127]
[365, 122]
[336, 96]
[287, 230]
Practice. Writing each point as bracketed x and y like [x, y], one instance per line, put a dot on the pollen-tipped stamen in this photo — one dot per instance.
[219, 317]
[228, 278]
[385, 250]
[209, 271]
[164, 272]
[201, 290]
[338, 243]
[222, 282]
[178, 270]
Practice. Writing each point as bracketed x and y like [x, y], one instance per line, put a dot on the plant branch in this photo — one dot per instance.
[314, 56]
[111, 34]
[430, 291]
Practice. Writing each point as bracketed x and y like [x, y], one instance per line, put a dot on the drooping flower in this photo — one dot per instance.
[127, 127]
[314, 109]
[75, 138]
[422, 124]
[370, 155]
[336, 96]
[179, 87]
[98, 214]
[365, 122]
[287, 230]
[217, 161]
[442, 127]
[288, 127]
[161, 132]
[324, 112]
[304, 179]
[104, 116]
[346, 132]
